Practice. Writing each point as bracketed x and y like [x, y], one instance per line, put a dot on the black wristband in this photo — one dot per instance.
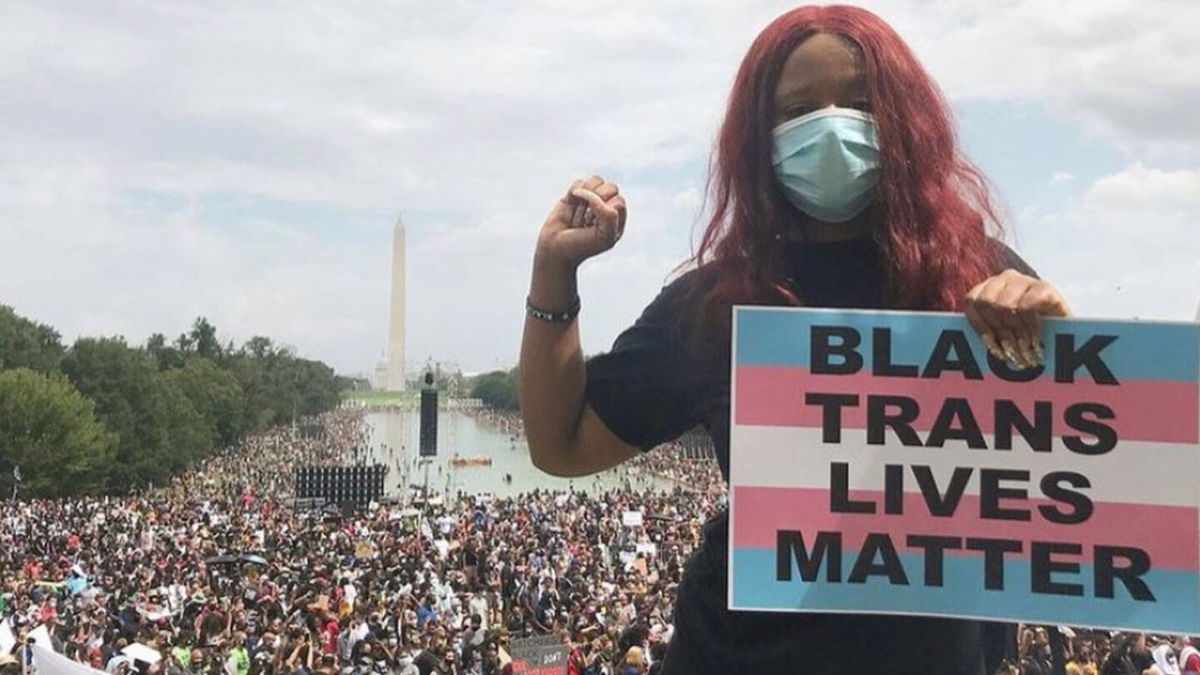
[552, 316]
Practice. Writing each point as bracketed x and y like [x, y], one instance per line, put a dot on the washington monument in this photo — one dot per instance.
[393, 379]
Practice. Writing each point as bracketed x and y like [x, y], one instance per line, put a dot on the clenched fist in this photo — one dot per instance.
[586, 221]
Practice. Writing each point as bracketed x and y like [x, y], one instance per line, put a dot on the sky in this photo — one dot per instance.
[245, 161]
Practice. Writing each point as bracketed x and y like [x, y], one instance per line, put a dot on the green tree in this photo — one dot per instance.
[349, 383]
[204, 337]
[257, 410]
[189, 437]
[278, 387]
[319, 386]
[215, 394]
[26, 344]
[51, 432]
[259, 347]
[160, 407]
[132, 401]
[497, 389]
[184, 344]
[165, 355]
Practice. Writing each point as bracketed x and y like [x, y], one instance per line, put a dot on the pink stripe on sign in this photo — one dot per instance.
[1170, 534]
[1146, 410]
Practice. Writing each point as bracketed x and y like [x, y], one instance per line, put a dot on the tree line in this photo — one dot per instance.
[103, 416]
[497, 389]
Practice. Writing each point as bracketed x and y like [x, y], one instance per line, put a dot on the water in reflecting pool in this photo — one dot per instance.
[393, 438]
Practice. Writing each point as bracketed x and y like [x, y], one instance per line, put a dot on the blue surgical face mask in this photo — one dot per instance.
[828, 162]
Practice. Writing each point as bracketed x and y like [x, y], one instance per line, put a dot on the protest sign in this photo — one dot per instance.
[883, 462]
[48, 662]
[540, 655]
[141, 652]
[632, 518]
[8, 639]
[40, 636]
[320, 604]
[364, 549]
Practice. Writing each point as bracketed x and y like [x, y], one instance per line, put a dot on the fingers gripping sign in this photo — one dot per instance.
[586, 221]
[1005, 310]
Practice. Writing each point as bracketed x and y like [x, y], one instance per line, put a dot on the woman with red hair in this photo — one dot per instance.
[837, 182]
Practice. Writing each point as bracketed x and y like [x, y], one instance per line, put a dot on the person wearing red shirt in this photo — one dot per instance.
[47, 611]
[330, 631]
[1189, 658]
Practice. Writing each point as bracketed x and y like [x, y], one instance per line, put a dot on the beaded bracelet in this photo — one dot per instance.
[552, 317]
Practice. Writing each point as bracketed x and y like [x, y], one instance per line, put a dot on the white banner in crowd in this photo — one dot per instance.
[41, 636]
[7, 639]
[49, 662]
[631, 519]
[648, 547]
[141, 652]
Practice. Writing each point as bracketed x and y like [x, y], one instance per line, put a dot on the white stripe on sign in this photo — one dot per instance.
[1163, 474]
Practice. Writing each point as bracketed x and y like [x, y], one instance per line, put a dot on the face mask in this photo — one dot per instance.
[828, 162]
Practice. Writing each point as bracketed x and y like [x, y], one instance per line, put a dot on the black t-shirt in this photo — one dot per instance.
[653, 385]
[428, 663]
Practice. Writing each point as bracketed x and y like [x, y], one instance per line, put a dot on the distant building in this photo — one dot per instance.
[379, 377]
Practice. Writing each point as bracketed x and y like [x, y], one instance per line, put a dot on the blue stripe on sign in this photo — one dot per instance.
[1176, 609]
[1142, 351]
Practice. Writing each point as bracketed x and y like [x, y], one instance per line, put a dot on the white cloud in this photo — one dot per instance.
[121, 270]
[1128, 247]
[482, 112]
[1124, 69]
[1061, 178]
[1145, 190]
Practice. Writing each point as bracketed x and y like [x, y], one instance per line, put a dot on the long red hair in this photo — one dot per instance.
[933, 206]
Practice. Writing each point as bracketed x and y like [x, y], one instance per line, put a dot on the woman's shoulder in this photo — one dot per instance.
[1005, 258]
[682, 282]
[682, 292]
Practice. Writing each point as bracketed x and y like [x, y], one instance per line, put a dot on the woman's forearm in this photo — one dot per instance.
[551, 375]
[566, 438]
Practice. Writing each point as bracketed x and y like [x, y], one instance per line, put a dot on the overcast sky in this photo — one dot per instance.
[245, 161]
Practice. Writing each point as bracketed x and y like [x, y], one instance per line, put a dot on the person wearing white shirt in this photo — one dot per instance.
[478, 606]
[1165, 660]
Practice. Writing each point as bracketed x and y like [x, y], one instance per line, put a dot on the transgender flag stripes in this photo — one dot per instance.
[881, 462]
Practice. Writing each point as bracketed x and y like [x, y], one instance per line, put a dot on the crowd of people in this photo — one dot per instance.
[218, 572]
[504, 421]
[1081, 651]
[668, 462]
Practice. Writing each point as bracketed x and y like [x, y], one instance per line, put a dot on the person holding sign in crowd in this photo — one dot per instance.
[837, 182]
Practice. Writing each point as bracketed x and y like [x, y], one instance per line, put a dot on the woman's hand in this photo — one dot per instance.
[586, 221]
[1005, 310]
